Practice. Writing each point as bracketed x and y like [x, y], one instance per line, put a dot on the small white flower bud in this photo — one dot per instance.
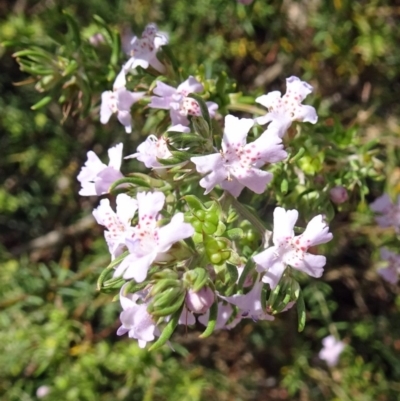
[338, 194]
[201, 301]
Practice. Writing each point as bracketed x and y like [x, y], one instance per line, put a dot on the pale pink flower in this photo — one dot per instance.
[200, 301]
[43, 391]
[150, 150]
[291, 250]
[238, 164]
[154, 148]
[225, 312]
[96, 177]
[176, 101]
[332, 348]
[390, 213]
[119, 102]
[187, 318]
[143, 51]
[392, 271]
[249, 304]
[282, 111]
[135, 320]
[118, 223]
[338, 194]
[150, 242]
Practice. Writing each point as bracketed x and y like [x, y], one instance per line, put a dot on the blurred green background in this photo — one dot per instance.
[57, 338]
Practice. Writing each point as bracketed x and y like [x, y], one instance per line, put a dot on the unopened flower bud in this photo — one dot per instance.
[201, 301]
[97, 39]
[338, 194]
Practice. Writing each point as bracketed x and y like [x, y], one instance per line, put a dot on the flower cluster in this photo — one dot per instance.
[183, 248]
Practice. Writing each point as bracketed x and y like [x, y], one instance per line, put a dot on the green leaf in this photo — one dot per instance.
[212, 321]
[247, 269]
[193, 202]
[235, 234]
[116, 48]
[301, 312]
[74, 30]
[203, 108]
[109, 268]
[168, 330]
[233, 272]
[41, 103]
[201, 127]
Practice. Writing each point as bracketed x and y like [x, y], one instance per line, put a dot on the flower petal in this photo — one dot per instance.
[149, 204]
[316, 232]
[173, 232]
[235, 132]
[115, 155]
[284, 221]
[312, 265]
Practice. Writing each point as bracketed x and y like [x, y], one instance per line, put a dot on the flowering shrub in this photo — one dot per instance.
[184, 256]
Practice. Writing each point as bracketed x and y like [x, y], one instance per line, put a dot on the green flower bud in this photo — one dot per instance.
[216, 258]
[209, 228]
[200, 214]
[212, 217]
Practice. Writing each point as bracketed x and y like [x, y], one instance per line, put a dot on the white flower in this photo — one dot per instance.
[150, 242]
[390, 213]
[135, 319]
[144, 50]
[176, 101]
[117, 223]
[283, 110]
[392, 271]
[238, 164]
[150, 150]
[291, 250]
[95, 177]
[331, 350]
[154, 148]
[119, 102]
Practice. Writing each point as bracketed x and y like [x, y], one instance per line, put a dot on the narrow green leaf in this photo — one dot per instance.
[247, 269]
[203, 108]
[116, 48]
[201, 127]
[212, 321]
[41, 103]
[193, 202]
[301, 312]
[74, 30]
[33, 53]
[233, 272]
[109, 268]
[168, 330]
[201, 279]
